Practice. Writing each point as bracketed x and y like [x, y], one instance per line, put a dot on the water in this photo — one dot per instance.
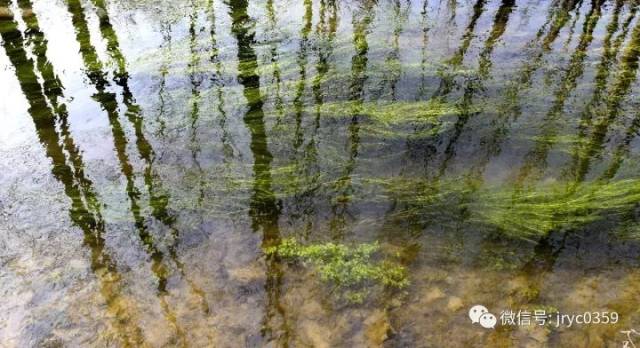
[156, 157]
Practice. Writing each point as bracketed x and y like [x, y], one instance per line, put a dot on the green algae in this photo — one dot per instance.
[513, 212]
[530, 213]
[557, 206]
[351, 269]
[388, 114]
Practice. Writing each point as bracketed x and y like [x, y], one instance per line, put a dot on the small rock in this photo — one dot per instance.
[377, 328]
[249, 274]
[433, 294]
[454, 304]
[315, 334]
[395, 303]
[539, 333]
[311, 310]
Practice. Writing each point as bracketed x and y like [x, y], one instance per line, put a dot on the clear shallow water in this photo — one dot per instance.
[151, 153]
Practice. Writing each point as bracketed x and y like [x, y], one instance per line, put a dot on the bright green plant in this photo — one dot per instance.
[351, 269]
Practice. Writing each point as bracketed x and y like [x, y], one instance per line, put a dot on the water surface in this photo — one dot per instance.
[153, 152]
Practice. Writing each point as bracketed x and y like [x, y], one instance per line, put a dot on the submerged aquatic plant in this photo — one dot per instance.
[393, 113]
[519, 213]
[557, 206]
[351, 269]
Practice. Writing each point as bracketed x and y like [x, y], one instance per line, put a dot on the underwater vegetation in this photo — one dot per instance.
[556, 206]
[512, 212]
[517, 213]
[315, 173]
[392, 113]
[352, 270]
[400, 119]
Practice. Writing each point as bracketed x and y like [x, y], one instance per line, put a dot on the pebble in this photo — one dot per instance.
[377, 328]
[433, 294]
[454, 304]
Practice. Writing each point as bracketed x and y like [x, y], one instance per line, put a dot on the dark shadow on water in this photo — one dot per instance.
[264, 209]
[361, 22]
[49, 116]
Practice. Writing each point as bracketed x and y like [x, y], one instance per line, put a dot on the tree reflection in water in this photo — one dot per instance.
[478, 142]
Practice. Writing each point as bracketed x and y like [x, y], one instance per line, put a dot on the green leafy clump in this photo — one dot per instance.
[350, 268]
